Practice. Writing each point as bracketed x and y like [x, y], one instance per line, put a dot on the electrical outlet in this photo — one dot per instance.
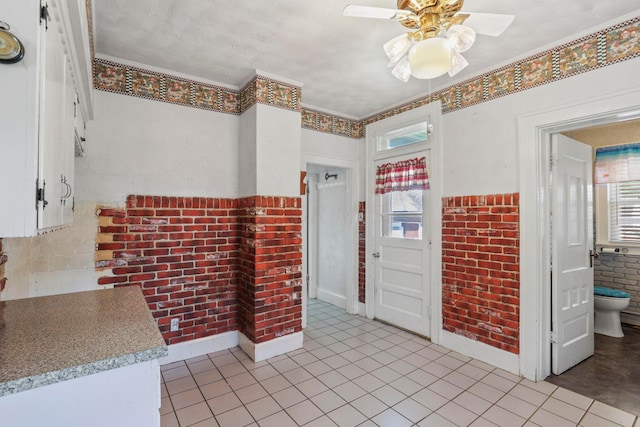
[174, 324]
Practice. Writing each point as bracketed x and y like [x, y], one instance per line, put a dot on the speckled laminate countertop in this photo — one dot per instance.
[46, 340]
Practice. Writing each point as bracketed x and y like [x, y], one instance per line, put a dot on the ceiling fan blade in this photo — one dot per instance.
[488, 24]
[357, 11]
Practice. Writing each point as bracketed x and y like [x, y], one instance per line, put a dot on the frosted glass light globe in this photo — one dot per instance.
[430, 58]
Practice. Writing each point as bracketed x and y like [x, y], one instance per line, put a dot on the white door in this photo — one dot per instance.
[401, 256]
[572, 243]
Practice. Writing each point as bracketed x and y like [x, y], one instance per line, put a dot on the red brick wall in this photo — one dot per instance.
[362, 256]
[183, 253]
[480, 268]
[270, 268]
[3, 261]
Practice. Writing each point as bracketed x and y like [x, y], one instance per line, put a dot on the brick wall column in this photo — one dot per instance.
[270, 218]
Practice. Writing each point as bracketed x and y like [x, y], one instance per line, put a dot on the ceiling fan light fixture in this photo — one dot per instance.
[402, 70]
[461, 37]
[397, 47]
[430, 58]
[458, 63]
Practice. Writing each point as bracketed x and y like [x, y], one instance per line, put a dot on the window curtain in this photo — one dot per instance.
[402, 176]
[620, 163]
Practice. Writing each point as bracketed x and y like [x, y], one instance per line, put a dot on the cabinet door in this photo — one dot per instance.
[54, 79]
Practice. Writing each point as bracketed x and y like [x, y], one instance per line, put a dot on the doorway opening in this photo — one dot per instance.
[535, 131]
[330, 233]
[608, 375]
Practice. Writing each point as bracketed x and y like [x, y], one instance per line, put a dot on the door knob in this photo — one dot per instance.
[376, 254]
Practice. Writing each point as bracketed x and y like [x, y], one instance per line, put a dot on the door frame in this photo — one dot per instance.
[351, 168]
[434, 110]
[534, 143]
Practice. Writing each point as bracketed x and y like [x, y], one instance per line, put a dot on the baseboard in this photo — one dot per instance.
[362, 309]
[499, 358]
[630, 318]
[194, 348]
[332, 298]
[275, 347]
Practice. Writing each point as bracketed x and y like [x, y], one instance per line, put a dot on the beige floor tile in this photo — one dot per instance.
[251, 393]
[528, 395]
[224, 403]
[311, 387]
[207, 377]
[165, 406]
[412, 410]
[349, 391]
[262, 408]
[351, 371]
[613, 414]
[304, 412]
[193, 414]
[389, 395]
[235, 417]
[169, 420]
[317, 368]
[264, 372]
[563, 409]
[470, 401]
[499, 382]
[446, 389]
[176, 373]
[430, 399]
[201, 366]
[232, 369]
[297, 375]
[436, 420]
[457, 414]
[186, 398]
[215, 389]
[486, 392]
[180, 385]
[369, 406]
[241, 381]
[332, 379]
[391, 418]
[572, 398]
[346, 416]
[406, 386]
[517, 406]
[288, 397]
[545, 418]
[502, 417]
[328, 401]
[275, 384]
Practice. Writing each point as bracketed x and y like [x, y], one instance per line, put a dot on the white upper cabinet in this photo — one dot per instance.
[43, 95]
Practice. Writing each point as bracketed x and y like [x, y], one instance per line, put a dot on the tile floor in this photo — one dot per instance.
[612, 375]
[354, 371]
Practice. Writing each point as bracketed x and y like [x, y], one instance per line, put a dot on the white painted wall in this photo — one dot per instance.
[137, 146]
[480, 146]
[332, 238]
[325, 148]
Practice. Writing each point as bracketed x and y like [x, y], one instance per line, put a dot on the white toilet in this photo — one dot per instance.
[607, 304]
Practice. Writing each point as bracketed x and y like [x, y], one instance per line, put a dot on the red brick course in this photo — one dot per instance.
[480, 268]
[270, 267]
[189, 254]
[3, 261]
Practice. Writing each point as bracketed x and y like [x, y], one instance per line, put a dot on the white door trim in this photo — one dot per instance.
[352, 169]
[534, 132]
[435, 210]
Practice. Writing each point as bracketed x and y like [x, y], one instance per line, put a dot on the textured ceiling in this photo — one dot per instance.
[339, 60]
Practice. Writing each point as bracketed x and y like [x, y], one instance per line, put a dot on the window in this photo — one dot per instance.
[624, 212]
[404, 136]
[402, 214]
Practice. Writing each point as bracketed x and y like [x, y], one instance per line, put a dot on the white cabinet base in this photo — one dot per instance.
[124, 397]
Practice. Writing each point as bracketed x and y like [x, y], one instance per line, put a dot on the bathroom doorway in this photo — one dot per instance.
[611, 374]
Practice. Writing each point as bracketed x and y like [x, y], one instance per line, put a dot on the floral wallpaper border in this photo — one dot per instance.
[606, 47]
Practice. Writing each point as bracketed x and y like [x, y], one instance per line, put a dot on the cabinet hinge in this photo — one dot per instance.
[40, 194]
[44, 15]
[553, 337]
[553, 160]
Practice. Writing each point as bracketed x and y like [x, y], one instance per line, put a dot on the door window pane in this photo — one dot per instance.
[402, 214]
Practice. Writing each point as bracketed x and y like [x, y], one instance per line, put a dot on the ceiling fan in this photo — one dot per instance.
[439, 32]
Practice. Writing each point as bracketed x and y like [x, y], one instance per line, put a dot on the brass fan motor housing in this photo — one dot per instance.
[434, 16]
